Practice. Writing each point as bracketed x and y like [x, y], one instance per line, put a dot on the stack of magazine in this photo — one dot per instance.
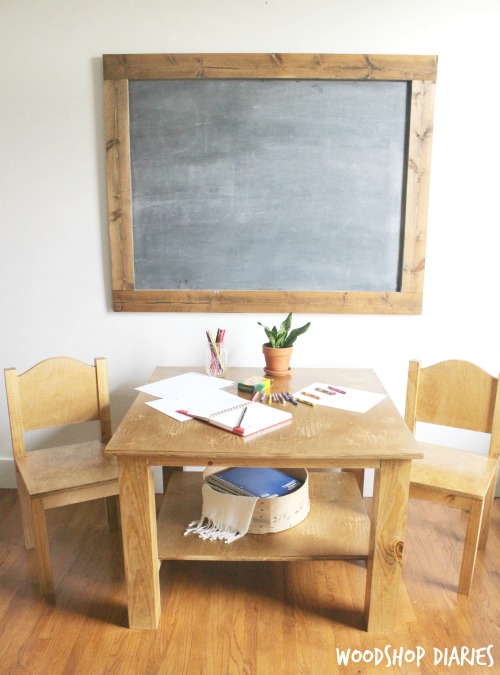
[253, 482]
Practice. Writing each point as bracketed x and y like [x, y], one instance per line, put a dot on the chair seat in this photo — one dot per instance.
[471, 475]
[65, 468]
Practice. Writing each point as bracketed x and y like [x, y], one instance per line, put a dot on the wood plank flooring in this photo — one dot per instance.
[224, 618]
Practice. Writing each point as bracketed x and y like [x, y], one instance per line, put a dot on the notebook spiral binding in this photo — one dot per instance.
[234, 407]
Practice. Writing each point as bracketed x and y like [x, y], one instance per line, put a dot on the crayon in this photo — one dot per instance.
[301, 400]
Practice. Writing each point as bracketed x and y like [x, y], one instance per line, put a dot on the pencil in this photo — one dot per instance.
[242, 416]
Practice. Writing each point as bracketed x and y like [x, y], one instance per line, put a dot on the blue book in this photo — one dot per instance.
[254, 482]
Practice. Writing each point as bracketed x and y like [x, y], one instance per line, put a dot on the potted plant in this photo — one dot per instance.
[278, 351]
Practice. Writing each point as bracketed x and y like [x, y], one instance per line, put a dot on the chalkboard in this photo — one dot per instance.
[266, 193]
[222, 169]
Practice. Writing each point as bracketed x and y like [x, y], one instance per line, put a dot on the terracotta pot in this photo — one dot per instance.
[277, 360]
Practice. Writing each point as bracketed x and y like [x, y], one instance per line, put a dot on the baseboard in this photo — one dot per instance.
[7, 473]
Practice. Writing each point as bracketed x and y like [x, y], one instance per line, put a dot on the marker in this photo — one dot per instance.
[306, 393]
[339, 391]
[301, 400]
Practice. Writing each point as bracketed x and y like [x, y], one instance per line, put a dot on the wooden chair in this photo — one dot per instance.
[57, 392]
[460, 395]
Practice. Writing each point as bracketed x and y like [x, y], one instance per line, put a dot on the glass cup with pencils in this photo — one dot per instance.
[216, 354]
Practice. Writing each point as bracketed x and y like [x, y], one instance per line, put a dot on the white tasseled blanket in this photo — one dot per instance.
[224, 516]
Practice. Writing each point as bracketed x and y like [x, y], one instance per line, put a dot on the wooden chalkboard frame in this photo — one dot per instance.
[419, 71]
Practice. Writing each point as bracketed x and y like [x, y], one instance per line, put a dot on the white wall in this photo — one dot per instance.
[54, 254]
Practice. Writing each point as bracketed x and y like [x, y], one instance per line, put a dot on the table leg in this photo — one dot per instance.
[390, 506]
[140, 543]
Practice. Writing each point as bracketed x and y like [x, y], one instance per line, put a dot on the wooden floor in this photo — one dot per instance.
[252, 618]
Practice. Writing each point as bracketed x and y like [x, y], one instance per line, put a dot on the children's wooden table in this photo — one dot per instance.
[338, 525]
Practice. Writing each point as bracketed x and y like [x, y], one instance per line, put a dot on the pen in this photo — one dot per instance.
[306, 393]
[313, 405]
[339, 391]
[242, 416]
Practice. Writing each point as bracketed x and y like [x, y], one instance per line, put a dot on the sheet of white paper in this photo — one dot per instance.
[182, 385]
[354, 400]
[169, 407]
[201, 403]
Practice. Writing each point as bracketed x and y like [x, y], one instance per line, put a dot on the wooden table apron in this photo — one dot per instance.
[317, 437]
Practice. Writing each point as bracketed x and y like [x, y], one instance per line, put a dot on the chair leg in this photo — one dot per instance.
[112, 512]
[488, 505]
[42, 551]
[470, 546]
[25, 508]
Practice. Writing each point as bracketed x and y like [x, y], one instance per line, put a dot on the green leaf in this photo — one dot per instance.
[295, 334]
[268, 332]
[283, 337]
[286, 325]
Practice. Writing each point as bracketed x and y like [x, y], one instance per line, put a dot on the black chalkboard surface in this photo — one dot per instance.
[268, 184]
[265, 182]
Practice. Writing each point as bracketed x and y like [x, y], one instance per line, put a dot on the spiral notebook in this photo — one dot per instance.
[237, 415]
[250, 481]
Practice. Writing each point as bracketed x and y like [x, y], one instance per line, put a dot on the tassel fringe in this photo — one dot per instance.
[206, 528]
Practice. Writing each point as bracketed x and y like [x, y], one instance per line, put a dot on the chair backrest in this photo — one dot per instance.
[57, 392]
[455, 394]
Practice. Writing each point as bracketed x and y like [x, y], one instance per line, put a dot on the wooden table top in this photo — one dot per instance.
[315, 437]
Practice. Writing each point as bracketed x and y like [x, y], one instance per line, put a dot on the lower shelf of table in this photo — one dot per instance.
[337, 527]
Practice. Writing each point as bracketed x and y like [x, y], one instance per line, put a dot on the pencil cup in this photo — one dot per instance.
[216, 359]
